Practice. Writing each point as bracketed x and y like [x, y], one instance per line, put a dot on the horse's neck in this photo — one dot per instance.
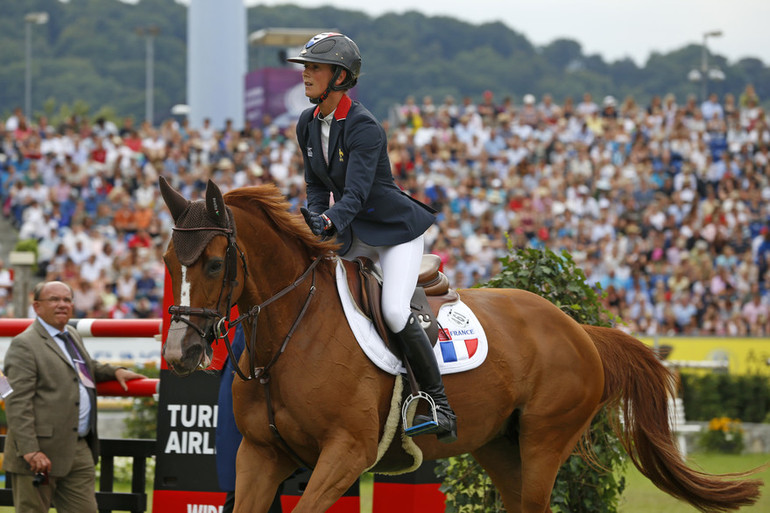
[297, 285]
[276, 261]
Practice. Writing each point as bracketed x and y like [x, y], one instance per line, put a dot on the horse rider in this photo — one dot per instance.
[345, 154]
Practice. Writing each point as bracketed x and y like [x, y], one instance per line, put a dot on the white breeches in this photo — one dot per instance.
[400, 267]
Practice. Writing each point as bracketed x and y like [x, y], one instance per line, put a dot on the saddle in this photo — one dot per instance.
[364, 282]
[432, 291]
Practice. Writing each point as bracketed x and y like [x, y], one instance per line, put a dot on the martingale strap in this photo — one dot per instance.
[274, 428]
[264, 373]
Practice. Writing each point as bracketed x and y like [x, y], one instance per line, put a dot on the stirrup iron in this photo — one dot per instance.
[425, 427]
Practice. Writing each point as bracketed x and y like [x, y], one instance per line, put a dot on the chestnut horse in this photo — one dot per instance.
[319, 401]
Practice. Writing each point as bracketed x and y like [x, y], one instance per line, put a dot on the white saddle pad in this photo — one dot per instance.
[462, 344]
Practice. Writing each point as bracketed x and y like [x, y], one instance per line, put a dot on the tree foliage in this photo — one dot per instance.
[90, 51]
[580, 487]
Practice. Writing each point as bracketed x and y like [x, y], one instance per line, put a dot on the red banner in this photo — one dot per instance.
[186, 501]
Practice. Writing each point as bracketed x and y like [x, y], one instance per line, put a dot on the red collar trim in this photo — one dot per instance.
[341, 112]
[343, 108]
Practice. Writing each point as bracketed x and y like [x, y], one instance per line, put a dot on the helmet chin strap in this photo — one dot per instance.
[331, 87]
[320, 99]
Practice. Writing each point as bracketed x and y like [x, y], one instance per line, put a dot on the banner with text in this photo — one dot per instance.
[736, 355]
[186, 460]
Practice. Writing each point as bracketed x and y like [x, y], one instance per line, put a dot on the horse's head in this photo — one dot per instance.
[203, 260]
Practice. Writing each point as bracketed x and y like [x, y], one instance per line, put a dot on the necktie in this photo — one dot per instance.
[80, 363]
[86, 379]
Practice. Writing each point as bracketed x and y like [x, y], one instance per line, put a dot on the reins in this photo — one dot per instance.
[263, 373]
[254, 312]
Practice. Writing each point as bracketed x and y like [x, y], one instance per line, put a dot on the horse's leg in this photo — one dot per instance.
[502, 462]
[547, 440]
[260, 470]
[338, 467]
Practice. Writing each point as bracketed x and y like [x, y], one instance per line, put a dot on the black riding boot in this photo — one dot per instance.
[419, 353]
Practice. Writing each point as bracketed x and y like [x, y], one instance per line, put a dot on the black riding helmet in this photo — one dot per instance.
[338, 50]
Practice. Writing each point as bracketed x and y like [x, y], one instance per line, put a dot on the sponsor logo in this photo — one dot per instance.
[191, 429]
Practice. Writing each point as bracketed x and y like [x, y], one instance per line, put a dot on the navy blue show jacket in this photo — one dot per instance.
[367, 201]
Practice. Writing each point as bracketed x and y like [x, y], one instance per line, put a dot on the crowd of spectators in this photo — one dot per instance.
[665, 205]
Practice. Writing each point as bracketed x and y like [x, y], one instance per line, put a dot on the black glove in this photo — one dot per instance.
[319, 224]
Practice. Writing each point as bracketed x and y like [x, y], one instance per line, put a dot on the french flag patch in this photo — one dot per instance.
[454, 350]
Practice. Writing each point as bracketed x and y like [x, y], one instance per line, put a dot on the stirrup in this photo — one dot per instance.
[431, 426]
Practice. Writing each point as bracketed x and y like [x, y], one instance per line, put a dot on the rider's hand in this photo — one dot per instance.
[319, 224]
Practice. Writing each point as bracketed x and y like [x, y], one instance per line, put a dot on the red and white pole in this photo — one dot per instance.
[94, 327]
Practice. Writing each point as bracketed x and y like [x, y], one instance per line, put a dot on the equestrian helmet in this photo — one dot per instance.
[335, 49]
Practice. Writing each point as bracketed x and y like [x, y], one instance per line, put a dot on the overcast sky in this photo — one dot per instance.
[612, 28]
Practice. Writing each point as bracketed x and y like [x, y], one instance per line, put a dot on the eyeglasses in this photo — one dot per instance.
[56, 299]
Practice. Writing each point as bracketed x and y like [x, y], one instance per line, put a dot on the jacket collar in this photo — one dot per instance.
[50, 329]
[44, 330]
[341, 112]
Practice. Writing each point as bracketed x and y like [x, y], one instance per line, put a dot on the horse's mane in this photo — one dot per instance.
[270, 199]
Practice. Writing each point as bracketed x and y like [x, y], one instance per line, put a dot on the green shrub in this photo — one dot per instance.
[723, 435]
[28, 245]
[580, 487]
[717, 395]
[142, 421]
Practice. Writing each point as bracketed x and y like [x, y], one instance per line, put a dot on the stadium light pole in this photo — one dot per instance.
[704, 65]
[32, 18]
[149, 33]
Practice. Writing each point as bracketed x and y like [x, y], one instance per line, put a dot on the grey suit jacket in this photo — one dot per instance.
[42, 410]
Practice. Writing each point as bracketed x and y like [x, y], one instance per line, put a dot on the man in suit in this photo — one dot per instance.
[52, 443]
[345, 153]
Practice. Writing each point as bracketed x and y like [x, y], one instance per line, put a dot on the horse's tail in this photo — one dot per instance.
[641, 385]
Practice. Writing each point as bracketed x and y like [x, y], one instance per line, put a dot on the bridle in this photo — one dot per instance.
[221, 326]
[229, 282]
[218, 324]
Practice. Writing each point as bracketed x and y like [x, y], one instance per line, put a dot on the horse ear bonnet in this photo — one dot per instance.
[199, 215]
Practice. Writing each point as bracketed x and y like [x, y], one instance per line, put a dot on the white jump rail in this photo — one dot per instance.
[676, 414]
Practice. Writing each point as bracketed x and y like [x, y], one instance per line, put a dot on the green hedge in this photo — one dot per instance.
[724, 395]
[142, 419]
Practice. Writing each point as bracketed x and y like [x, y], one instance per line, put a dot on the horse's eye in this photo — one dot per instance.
[214, 267]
